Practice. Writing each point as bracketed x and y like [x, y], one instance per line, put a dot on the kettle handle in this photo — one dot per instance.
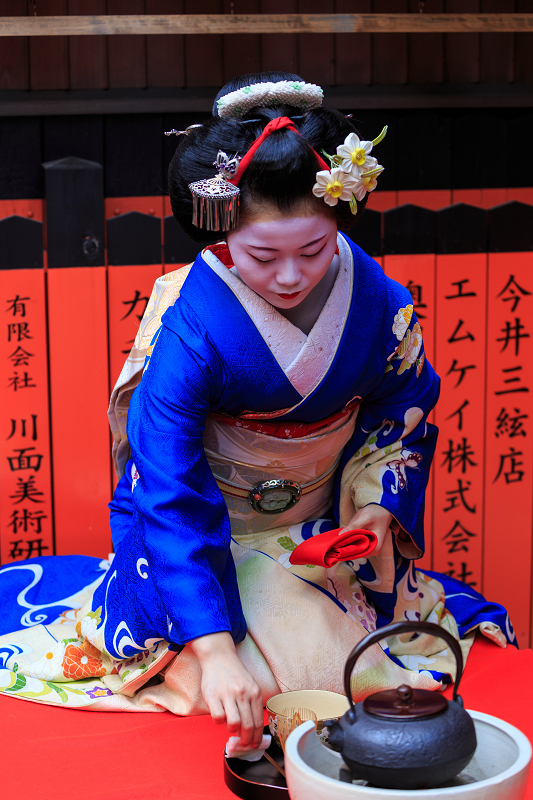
[397, 628]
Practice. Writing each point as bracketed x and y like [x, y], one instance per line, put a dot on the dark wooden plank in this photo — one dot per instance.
[523, 52]
[126, 54]
[409, 229]
[389, 50]
[14, 51]
[279, 51]
[21, 243]
[203, 53]
[197, 100]
[496, 54]
[424, 150]
[87, 54]
[133, 155]
[353, 51]
[241, 53]
[510, 228]
[461, 229]
[165, 65]
[80, 136]
[49, 64]
[317, 50]
[179, 249]
[74, 213]
[198, 22]
[367, 232]
[473, 138]
[20, 164]
[426, 52]
[518, 123]
[133, 238]
[461, 50]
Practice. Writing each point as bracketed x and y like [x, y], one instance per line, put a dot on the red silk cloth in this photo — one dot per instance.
[274, 125]
[327, 549]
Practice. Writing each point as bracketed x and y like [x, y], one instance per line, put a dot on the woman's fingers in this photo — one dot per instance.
[257, 711]
[216, 709]
[247, 722]
[233, 717]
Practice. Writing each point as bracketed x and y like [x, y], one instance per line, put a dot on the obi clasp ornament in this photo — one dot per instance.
[274, 496]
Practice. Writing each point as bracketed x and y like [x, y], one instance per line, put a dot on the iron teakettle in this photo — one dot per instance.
[405, 738]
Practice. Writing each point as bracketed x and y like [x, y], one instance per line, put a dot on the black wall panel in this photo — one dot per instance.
[134, 238]
[134, 155]
[82, 137]
[409, 229]
[461, 229]
[179, 249]
[424, 151]
[434, 149]
[367, 232]
[510, 228]
[21, 243]
[75, 213]
[20, 158]
[479, 149]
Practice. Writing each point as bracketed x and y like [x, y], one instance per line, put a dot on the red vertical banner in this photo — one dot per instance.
[417, 274]
[129, 289]
[509, 454]
[79, 390]
[460, 415]
[26, 518]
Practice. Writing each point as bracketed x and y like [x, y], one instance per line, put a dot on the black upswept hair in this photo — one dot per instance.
[283, 170]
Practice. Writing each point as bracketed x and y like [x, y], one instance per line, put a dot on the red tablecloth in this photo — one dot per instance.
[59, 754]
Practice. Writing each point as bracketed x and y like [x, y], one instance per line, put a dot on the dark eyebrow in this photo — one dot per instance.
[274, 249]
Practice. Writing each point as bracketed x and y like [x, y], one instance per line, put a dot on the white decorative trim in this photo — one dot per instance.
[292, 93]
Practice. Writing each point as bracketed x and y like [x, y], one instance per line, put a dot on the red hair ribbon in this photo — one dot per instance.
[274, 125]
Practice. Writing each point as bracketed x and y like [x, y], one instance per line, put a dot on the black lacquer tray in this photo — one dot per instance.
[256, 780]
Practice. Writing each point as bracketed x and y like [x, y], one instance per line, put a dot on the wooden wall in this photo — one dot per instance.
[94, 62]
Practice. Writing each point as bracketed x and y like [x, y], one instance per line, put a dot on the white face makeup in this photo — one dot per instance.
[283, 258]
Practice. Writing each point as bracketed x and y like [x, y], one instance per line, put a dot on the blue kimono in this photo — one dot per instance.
[173, 577]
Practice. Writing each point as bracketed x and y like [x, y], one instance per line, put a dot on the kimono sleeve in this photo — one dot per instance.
[388, 459]
[178, 510]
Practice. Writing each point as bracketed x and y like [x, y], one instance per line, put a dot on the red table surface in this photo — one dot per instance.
[55, 753]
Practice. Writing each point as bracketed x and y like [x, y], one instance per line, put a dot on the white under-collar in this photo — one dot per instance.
[303, 358]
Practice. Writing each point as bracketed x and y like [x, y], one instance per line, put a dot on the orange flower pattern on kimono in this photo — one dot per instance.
[78, 664]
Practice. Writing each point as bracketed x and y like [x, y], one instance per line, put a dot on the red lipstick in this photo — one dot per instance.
[289, 296]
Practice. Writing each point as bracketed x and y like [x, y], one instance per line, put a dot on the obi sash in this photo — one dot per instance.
[243, 454]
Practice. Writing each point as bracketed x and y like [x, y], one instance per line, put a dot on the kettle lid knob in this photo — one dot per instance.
[405, 702]
[404, 695]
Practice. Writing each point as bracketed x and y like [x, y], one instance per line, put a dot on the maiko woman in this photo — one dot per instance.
[284, 393]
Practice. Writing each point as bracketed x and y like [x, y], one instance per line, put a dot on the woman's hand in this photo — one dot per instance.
[373, 518]
[230, 692]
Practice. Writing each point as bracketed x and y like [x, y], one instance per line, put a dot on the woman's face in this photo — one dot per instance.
[282, 258]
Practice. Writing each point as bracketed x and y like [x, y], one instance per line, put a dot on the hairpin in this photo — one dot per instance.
[186, 132]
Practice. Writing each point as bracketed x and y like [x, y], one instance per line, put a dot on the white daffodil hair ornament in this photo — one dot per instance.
[334, 185]
[353, 172]
[355, 155]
